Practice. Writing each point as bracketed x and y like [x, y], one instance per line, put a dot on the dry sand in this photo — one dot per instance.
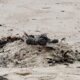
[57, 18]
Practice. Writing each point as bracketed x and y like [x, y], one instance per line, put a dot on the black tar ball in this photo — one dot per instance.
[31, 40]
[55, 41]
[42, 41]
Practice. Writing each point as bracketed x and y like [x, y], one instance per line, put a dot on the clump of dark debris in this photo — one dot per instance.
[40, 40]
[8, 39]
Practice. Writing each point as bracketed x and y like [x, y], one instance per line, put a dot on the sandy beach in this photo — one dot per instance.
[57, 18]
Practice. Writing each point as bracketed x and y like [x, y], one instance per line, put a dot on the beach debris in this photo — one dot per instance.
[43, 39]
[40, 40]
[37, 40]
[13, 38]
[1, 25]
[55, 41]
[3, 78]
[8, 39]
[63, 39]
[62, 53]
[2, 42]
[23, 73]
[31, 40]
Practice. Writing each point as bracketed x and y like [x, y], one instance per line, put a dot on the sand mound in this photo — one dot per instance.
[20, 54]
